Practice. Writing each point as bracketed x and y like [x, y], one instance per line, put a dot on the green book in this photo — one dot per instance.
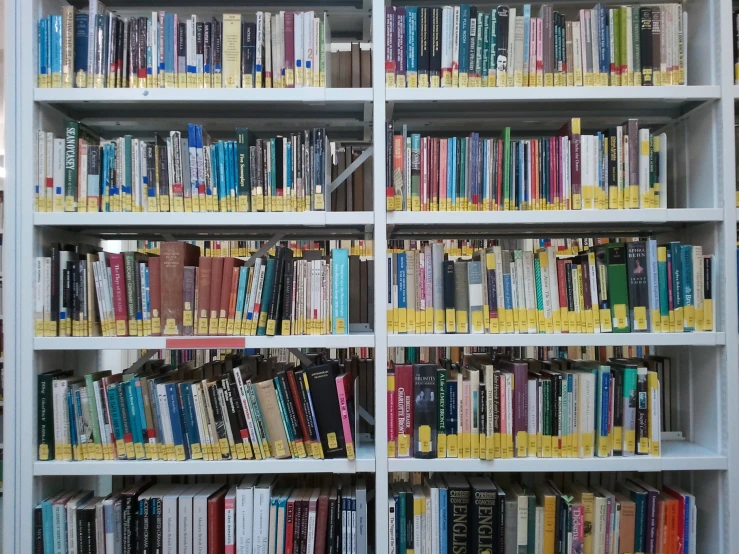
[635, 40]
[245, 139]
[623, 50]
[90, 381]
[480, 44]
[269, 276]
[618, 296]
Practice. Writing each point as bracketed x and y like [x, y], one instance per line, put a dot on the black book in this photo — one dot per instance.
[142, 50]
[435, 48]
[239, 412]
[233, 409]
[288, 277]
[208, 51]
[217, 52]
[501, 62]
[656, 46]
[133, 51]
[483, 415]
[322, 389]
[163, 171]
[410, 538]
[200, 46]
[129, 508]
[458, 512]
[424, 410]
[642, 414]
[182, 46]
[218, 418]
[250, 41]
[142, 517]
[499, 516]
[638, 282]
[475, 33]
[481, 517]
[424, 53]
[645, 39]
[617, 383]
[275, 299]
[38, 531]
[331, 530]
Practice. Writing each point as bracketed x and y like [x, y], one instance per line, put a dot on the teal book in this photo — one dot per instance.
[411, 39]
[639, 497]
[220, 163]
[402, 287]
[464, 39]
[676, 254]
[138, 397]
[280, 394]
[273, 170]
[244, 140]
[339, 291]
[133, 416]
[241, 295]
[116, 417]
[688, 307]
[269, 277]
[531, 518]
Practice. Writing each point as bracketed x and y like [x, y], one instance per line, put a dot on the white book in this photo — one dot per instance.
[153, 29]
[576, 53]
[455, 47]
[514, 292]
[517, 59]
[521, 291]
[259, 58]
[533, 52]
[170, 500]
[511, 46]
[308, 49]
[185, 525]
[447, 32]
[71, 507]
[594, 300]
[299, 52]
[267, 60]
[644, 177]
[112, 525]
[200, 518]
[58, 172]
[653, 316]
[474, 283]
[664, 43]
[261, 521]
[38, 296]
[620, 165]
[437, 262]
[190, 51]
[164, 411]
[586, 414]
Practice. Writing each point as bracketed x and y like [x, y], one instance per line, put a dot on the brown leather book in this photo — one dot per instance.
[216, 523]
[349, 183]
[335, 70]
[367, 171]
[358, 185]
[365, 74]
[340, 205]
[155, 295]
[628, 523]
[322, 520]
[205, 272]
[356, 65]
[174, 257]
[188, 298]
[345, 67]
[216, 282]
[354, 294]
[232, 301]
[225, 293]
[278, 444]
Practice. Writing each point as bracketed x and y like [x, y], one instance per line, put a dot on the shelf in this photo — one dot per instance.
[159, 343]
[459, 107]
[676, 456]
[570, 222]
[209, 226]
[567, 339]
[365, 463]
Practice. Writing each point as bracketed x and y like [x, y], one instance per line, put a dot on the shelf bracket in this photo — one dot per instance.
[365, 415]
[305, 360]
[266, 247]
[142, 360]
[351, 169]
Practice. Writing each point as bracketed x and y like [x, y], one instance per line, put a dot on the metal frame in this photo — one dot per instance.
[708, 363]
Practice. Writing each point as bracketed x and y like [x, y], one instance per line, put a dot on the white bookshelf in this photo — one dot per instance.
[699, 121]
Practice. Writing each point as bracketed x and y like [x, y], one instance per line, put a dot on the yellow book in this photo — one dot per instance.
[654, 421]
[231, 50]
[547, 499]
[391, 391]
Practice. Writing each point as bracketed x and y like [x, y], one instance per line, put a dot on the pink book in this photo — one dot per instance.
[289, 50]
[578, 527]
[344, 387]
[442, 174]
[503, 407]
[539, 51]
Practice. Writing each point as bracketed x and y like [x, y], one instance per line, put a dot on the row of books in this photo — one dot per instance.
[622, 167]
[100, 49]
[245, 248]
[251, 514]
[82, 173]
[355, 194]
[352, 67]
[443, 513]
[619, 287]
[81, 292]
[497, 408]
[218, 411]
[463, 46]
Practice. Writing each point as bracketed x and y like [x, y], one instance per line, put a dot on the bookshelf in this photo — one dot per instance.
[699, 118]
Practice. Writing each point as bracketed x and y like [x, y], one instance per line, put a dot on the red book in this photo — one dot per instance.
[118, 276]
[298, 523]
[232, 298]
[392, 414]
[290, 524]
[205, 271]
[562, 288]
[679, 495]
[289, 50]
[216, 282]
[216, 523]
[227, 285]
[404, 391]
[297, 400]
[155, 295]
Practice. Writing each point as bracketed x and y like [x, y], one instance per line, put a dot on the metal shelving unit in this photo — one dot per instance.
[698, 118]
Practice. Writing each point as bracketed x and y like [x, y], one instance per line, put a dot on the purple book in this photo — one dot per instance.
[520, 371]
[399, 44]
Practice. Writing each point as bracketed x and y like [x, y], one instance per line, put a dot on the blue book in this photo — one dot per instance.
[113, 191]
[43, 48]
[234, 170]
[402, 292]
[149, 63]
[241, 295]
[139, 398]
[133, 415]
[339, 291]
[411, 39]
[147, 293]
[169, 43]
[464, 39]
[288, 174]
[81, 22]
[55, 22]
[192, 147]
[604, 46]
[175, 418]
[507, 291]
[688, 302]
[200, 179]
[449, 168]
[71, 408]
[47, 519]
[230, 180]
[221, 155]
[127, 166]
[526, 40]
[443, 548]
[192, 435]
[604, 388]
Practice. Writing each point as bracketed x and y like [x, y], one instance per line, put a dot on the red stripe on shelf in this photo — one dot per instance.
[236, 342]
